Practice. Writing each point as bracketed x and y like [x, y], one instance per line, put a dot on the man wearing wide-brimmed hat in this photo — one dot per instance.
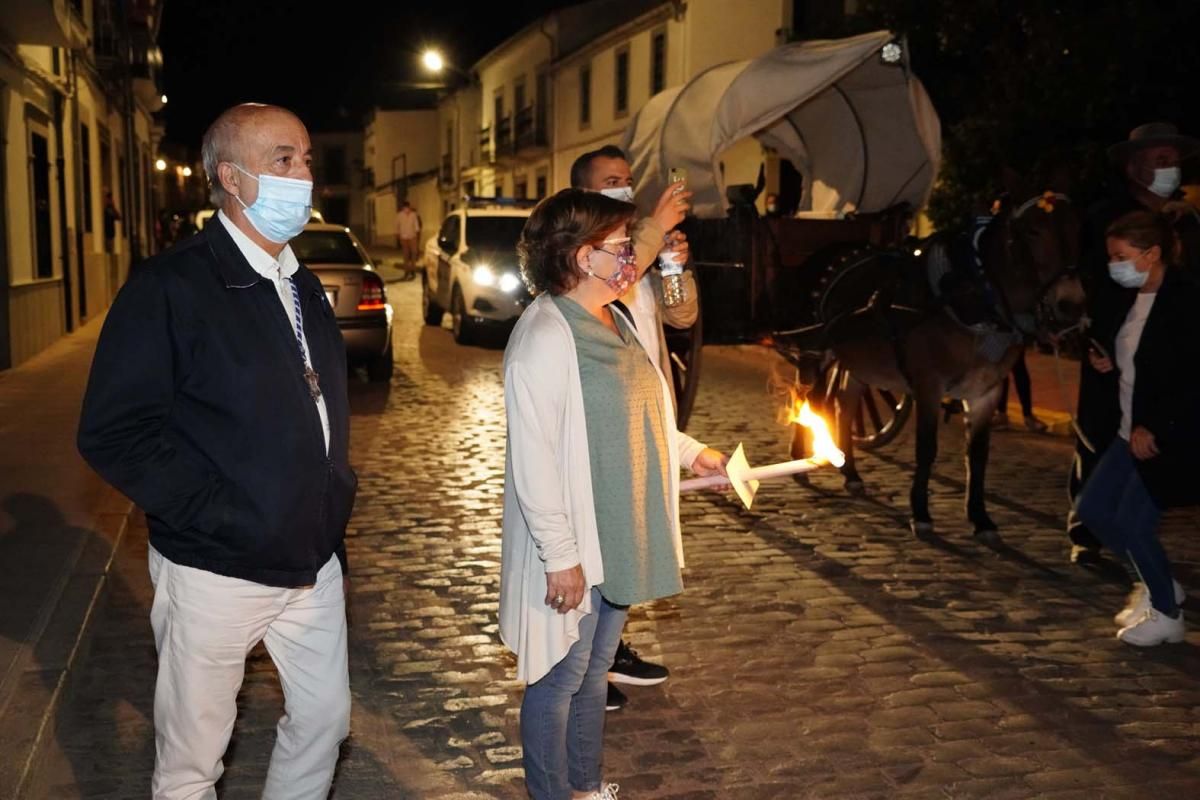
[1150, 166]
[1150, 160]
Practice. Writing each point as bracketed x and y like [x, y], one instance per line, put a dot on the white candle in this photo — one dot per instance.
[744, 479]
[763, 473]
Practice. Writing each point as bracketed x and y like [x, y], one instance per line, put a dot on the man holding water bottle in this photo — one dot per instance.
[660, 297]
[667, 296]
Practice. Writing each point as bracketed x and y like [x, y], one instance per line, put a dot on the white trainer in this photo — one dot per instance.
[607, 791]
[1153, 628]
[1139, 603]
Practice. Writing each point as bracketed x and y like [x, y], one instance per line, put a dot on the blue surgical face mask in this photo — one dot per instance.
[1166, 181]
[1127, 275]
[282, 207]
[622, 193]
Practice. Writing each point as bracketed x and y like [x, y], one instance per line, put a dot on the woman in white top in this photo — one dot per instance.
[1146, 468]
[591, 491]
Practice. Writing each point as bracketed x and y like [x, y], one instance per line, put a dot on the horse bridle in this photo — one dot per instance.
[1042, 313]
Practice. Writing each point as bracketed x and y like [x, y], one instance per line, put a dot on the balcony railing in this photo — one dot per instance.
[531, 129]
[505, 144]
[485, 145]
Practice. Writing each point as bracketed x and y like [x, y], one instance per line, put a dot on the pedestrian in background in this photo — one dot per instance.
[1148, 465]
[111, 217]
[1019, 376]
[607, 171]
[217, 402]
[408, 234]
[591, 494]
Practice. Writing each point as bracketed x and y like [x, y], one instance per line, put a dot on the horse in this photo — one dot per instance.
[907, 339]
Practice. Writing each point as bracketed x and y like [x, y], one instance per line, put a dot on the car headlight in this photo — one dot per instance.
[509, 282]
[484, 276]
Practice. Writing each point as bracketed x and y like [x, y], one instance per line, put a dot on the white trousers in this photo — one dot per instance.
[204, 627]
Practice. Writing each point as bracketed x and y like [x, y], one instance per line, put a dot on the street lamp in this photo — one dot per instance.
[161, 165]
[432, 60]
[163, 99]
[187, 172]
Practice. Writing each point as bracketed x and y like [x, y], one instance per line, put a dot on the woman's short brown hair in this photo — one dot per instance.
[557, 228]
[1145, 229]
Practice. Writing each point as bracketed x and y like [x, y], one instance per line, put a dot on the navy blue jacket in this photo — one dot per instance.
[197, 410]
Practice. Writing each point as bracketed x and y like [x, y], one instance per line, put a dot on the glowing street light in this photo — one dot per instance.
[433, 60]
[187, 172]
[164, 99]
[161, 165]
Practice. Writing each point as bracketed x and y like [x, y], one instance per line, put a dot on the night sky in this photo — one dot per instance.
[324, 64]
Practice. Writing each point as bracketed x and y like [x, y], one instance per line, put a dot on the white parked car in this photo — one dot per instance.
[470, 269]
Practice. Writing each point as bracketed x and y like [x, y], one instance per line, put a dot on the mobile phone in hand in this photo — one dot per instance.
[677, 175]
[1099, 348]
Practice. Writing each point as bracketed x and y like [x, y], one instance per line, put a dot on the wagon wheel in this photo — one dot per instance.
[683, 350]
[879, 416]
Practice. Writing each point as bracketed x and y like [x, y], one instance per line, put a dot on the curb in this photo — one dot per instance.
[1058, 423]
[39, 689]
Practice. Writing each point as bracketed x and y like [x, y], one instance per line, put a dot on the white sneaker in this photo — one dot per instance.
[607, 791]
[1152, 629]
[1139, 603]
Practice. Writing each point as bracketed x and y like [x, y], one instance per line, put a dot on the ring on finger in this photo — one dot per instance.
[559, 600]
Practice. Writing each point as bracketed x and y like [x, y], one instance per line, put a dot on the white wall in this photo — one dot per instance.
[392, 133]
[731, 30]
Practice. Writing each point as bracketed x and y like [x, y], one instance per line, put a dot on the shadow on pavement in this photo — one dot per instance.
[1086, 732]
[44, 557]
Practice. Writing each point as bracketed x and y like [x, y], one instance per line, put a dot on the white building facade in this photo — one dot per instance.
[78, 88]
[571, 81]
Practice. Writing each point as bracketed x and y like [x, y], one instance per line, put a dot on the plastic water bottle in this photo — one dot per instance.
[672, 266]
[674, 292]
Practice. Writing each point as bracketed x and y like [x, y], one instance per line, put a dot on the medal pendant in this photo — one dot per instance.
[312, 379]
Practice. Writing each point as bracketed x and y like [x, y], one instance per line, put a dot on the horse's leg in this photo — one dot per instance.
[978, 422]
[928, 401]
[849, 395]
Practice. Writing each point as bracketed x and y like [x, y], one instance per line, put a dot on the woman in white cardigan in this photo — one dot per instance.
[591, 492]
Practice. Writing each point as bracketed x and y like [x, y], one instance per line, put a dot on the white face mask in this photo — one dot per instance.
[282, 207]
[1166, 181]
[622, 193]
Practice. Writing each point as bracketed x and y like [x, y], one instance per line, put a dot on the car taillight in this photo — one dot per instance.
[372, 298]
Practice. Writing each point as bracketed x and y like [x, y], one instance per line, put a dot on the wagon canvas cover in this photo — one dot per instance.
[862, 133]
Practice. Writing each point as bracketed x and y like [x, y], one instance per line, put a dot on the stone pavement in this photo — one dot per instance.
[59, 524]
[819, 650]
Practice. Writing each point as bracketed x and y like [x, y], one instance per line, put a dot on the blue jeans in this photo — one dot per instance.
[562, 715]
[1116, 506]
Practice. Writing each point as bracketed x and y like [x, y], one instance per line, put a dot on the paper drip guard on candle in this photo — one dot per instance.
[745, 479]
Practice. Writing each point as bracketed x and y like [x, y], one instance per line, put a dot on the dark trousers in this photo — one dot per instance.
[1117, 506]
[1020, 376]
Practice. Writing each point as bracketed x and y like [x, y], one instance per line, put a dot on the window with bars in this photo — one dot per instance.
[85, 165]
[585, 95]
[621, 81]
[658, 62]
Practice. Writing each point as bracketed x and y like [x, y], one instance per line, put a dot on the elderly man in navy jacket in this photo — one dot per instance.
[217, 403]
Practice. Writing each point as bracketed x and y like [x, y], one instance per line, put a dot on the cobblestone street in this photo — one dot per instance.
[819, 650]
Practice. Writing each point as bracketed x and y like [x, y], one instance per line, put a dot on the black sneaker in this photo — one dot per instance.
[628, 668]
[616, 699]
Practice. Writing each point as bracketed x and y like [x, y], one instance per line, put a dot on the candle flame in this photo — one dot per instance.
[824, 448]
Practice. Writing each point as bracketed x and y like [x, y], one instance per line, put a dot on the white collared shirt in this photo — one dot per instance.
[279, 272]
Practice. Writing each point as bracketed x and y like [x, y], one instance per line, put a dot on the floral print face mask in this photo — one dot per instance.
[625, 274]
